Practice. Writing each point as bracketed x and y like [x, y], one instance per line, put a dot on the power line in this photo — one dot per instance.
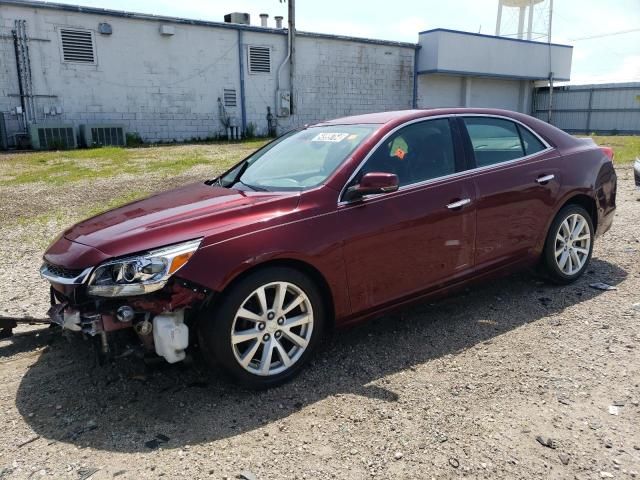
[619, 32]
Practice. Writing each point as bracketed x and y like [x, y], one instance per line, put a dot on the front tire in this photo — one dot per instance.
[569, 245]
[265, 328]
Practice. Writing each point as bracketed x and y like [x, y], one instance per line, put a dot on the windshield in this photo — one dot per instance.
[298, 160]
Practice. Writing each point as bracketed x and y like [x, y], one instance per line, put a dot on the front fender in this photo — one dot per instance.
[216, 266]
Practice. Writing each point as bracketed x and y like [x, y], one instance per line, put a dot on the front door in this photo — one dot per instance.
[420, 236]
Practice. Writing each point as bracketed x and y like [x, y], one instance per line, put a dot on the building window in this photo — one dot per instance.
[259, 59]
[77, 46]
[230, 97]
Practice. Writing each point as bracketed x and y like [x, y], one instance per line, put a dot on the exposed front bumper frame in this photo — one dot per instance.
[53, 278]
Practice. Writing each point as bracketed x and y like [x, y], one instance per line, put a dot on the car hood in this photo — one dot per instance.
[192, 211]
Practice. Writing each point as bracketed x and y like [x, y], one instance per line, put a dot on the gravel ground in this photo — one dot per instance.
[457, 388]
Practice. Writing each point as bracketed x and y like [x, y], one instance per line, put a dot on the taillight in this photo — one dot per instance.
[608, 151]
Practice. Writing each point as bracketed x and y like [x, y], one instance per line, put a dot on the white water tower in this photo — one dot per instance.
[525, 19]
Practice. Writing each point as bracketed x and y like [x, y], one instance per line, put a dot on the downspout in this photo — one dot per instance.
[292, 50]
[550, 111]
[243, 109]
[284, 62]
[414, 102]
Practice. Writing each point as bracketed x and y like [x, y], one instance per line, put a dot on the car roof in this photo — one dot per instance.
[398, 116]
[388, 120]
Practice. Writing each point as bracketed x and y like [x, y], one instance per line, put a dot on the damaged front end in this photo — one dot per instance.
[137, 293]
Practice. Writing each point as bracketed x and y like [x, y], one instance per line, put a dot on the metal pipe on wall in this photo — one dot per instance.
[278, 73]
[20, 86]
[292, 50]
[23, 67]
[530, 23]
[550, 112]
[243, 109]
[27, 68]
[414, 99]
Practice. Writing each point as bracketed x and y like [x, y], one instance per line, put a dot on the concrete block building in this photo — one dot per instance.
[168, 78]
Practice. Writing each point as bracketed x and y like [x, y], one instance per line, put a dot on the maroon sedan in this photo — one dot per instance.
[328, 226]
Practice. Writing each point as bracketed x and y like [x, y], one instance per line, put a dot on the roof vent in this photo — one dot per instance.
[238, 17]
[278, 21]
[263, 19]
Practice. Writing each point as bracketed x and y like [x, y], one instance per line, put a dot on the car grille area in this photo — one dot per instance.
[62, 272]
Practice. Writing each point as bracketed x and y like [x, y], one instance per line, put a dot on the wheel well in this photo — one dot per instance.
[589, 204]
[303, 267]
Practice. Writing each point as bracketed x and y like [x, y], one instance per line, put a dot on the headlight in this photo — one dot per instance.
[140, 274]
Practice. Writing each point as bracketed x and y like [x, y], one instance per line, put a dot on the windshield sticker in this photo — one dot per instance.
[400, 153]
[329, 137]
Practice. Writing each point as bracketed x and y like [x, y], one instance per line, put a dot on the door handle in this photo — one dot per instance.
[459, 204]
[545, 179]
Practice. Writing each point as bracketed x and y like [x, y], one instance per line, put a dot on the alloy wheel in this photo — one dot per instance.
[572, 244]
[272, 328]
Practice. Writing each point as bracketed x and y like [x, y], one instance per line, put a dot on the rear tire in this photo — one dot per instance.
[569, 245]
[265, 329]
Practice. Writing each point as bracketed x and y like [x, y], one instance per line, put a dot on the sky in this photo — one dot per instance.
[605, 34]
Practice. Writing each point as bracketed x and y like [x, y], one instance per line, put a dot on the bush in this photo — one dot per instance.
[250, 131]
[134, 140]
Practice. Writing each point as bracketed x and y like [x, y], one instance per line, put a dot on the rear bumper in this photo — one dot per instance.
[607, 186]
[605, 222]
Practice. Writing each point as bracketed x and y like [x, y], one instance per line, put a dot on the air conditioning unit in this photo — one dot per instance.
[238, 17]
[52, 136]
[101, 135]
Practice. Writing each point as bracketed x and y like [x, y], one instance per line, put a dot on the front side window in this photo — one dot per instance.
[298, 160]
[418, 152]
[497, 140]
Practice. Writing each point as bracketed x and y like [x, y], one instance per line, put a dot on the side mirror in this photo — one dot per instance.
[372, 183]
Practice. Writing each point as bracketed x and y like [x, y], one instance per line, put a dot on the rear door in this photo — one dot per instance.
[517, 180]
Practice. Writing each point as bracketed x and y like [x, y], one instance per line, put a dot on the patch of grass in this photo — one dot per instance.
[626, 148]
[137, 172]
[115, 202]
[62, 167]
[52, 222]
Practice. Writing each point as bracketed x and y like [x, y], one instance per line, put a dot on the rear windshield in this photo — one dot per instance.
[298, 160]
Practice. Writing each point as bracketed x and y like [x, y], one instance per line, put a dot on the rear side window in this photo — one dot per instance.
[531, 143]
[494, 140]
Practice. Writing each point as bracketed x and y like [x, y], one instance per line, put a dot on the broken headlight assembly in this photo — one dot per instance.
[140, 274]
